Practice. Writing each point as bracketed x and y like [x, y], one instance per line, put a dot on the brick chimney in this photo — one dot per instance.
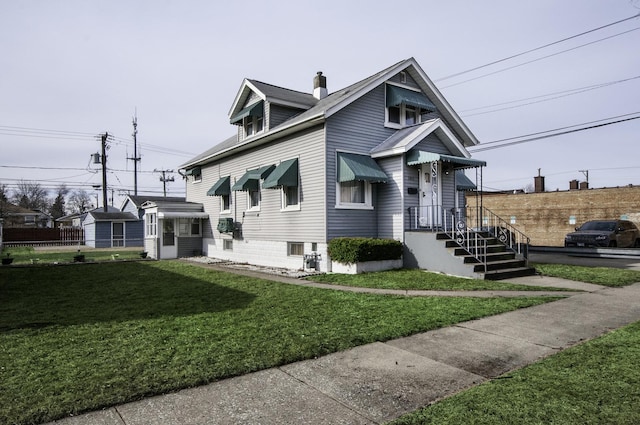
[573, 185]
[538, 183]
[320, 86]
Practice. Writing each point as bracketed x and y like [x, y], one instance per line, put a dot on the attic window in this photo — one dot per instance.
[251, 118]
[406, 107]
[253, 125]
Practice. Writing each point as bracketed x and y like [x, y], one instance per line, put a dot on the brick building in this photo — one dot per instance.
[546, 217]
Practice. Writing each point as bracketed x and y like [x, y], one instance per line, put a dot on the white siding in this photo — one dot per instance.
[270, 223]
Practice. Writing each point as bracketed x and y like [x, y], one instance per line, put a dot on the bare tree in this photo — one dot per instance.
[31, 195]
[79, 202]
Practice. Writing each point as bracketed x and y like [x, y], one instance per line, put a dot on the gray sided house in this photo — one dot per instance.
[111, 229]
[380, 158]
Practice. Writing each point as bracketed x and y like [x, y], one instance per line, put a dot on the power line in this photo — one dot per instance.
[543, 97]
[68, 168]
[481, 149]
[535, 49]
[538, 59]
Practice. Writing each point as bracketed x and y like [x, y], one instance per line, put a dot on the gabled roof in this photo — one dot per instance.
[12, 209]
[330, 105]
[272, 94]
[403, 140]
[138, 200]
[173, 205]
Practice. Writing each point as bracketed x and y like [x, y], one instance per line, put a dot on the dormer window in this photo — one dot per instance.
[406, 107]
[253, 125]
[251, 118]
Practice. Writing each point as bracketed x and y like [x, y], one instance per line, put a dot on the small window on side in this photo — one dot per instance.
[295, 249]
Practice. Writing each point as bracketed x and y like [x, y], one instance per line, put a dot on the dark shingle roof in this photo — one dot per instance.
[107, 216]
[141, 199]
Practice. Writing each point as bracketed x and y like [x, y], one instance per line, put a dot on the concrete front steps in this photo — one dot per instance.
[501, 262]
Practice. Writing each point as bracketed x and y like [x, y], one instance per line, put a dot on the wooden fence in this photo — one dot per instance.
[17, 236]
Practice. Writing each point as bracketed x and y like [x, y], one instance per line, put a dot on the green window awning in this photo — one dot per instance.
[285, 174]
[416, 157]
[398, 95]
[221, 188]
[192, 171]
[352, 167]
[463, 182]
[251, 179]
[255, 110]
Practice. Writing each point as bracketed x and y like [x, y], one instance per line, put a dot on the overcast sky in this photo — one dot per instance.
[71, 70]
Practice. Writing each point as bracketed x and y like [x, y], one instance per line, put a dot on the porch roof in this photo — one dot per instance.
[182, 214]
[416, 157]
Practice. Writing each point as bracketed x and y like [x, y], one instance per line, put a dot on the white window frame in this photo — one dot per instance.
[295, 246]
[227, 244]
[419, 112]
[366, 205]
[224, 210]
[256, 207]
[253, 124]
[197, 178]
[151, 224]
[284, 199]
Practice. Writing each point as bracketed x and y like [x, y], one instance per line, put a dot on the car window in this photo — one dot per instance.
[603, 226]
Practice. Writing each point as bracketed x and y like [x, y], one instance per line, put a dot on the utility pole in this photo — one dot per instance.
[164, 179]
[135, 158]
[586, 174]
[104, 137]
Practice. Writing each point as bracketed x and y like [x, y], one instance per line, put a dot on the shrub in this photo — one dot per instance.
[355, 250]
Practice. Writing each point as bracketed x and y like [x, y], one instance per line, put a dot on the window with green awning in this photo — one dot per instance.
[397, 96]
[255, 110]
[221, 188]
[354, 167]
[250, 181]
[285, 174]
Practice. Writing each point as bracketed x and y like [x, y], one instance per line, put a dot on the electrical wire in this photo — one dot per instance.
[539, 59]
[542, 98]
[535, 49]
[517, 142]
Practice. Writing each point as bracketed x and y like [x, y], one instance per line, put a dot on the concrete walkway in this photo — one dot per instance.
[378, 382]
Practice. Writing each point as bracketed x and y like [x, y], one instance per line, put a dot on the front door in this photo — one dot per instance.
[430, 199]
[117, 234]
[169, 247]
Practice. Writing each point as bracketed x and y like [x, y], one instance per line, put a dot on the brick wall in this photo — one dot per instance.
[545, 217]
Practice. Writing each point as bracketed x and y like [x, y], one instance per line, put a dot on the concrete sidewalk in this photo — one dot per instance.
[379, 382]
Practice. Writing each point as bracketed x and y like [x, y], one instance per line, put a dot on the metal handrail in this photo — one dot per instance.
[468, 229]
[499, 228]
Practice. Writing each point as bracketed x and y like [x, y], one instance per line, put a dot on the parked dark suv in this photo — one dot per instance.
[612, 233]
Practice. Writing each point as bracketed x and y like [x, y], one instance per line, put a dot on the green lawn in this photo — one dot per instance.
[594, 383]
[416, 279]
[81, 337]
[598, 275]
[27, 255]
